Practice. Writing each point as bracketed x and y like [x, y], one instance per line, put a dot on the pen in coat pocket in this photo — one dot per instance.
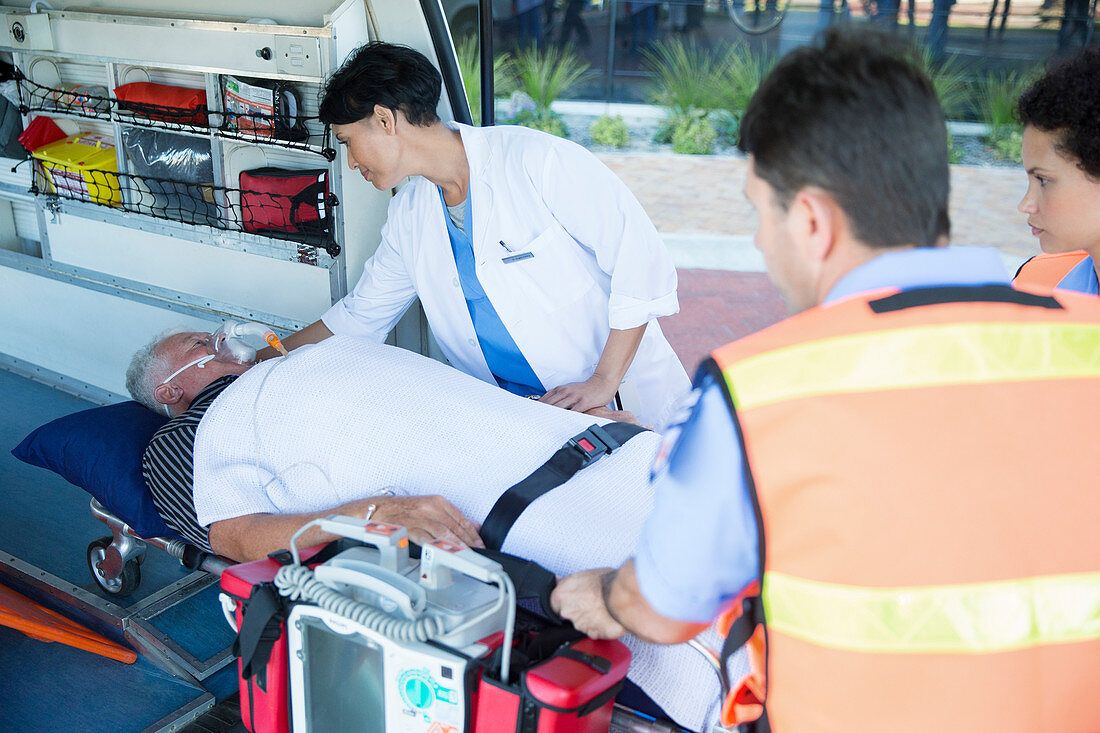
[506, 247]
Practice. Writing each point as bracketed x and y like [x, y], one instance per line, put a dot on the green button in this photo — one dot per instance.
[418, 693]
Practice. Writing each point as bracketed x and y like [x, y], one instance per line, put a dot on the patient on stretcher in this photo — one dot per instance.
[352, 427]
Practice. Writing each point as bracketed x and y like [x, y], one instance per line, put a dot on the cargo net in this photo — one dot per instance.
[304, 216]
[190, 115]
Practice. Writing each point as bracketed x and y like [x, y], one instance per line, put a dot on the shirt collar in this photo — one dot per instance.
[207, 394]
[923, 267]
[1082, 278]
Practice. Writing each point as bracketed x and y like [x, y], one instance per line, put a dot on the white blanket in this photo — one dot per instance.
[346, 418]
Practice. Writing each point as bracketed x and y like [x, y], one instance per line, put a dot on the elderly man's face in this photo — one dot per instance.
[183, 348]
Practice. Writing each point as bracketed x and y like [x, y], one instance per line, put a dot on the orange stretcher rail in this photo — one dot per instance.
[38, 622]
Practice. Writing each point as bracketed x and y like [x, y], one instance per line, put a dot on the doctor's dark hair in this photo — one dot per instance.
[1066, 102]
[396, 77]
[854, 117]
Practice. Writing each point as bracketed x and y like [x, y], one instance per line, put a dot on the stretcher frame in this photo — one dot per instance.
[127, 546]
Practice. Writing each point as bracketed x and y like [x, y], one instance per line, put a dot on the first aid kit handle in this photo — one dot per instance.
[229, 607]
[409, 597]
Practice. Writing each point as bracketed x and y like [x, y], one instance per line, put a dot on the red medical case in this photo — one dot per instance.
[572, 691]
[265, 692]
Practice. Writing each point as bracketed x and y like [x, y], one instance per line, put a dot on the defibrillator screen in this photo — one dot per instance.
[342, 677]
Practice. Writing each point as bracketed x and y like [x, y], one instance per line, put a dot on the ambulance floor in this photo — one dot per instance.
[45, 521]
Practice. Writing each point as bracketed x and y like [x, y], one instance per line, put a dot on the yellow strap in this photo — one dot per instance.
[922, 356]
[953, 619]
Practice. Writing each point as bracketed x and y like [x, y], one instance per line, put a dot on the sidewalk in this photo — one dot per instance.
[698, 206]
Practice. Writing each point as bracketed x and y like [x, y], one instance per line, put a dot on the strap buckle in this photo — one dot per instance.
[593, 443]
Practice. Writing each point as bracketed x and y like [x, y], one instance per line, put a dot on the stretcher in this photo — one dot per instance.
[115, 562]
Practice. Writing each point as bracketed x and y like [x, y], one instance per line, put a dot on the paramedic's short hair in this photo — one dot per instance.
[147, 370]
[396, 77]
[851, 115]
[1066, 101]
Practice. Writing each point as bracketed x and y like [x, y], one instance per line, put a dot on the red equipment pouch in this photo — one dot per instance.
[261, 645]
[281, 200]
[41, 131]
[164, 102]
[572, 691]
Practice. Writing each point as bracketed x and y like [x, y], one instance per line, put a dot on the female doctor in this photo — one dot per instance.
[536, 267]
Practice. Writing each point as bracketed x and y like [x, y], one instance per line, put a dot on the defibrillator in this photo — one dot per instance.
[376, 640]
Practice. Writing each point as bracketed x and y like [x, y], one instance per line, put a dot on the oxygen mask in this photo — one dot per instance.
[236, 342]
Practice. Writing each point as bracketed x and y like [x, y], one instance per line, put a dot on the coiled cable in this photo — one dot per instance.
[298, 582]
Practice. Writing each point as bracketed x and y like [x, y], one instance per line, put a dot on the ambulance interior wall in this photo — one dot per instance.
[67, 324]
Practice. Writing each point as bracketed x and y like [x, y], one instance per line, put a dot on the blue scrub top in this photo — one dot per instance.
[699, 547]
[506, 362]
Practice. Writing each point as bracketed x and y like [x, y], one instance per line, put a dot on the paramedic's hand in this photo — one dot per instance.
[596, 391]
[579, 598]
[427, 518]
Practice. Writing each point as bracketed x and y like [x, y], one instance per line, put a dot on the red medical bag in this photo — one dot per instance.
[571, 691]
[164, 102]
[280, 200]
[265, 696]
[261, 647]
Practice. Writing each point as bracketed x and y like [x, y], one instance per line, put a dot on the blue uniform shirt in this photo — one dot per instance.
[505, 360]
[1082, 278]
[699, 547]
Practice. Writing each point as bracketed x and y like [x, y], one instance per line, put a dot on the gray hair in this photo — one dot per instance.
[147, 370]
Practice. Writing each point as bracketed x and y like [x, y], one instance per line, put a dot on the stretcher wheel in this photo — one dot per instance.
[99, 564]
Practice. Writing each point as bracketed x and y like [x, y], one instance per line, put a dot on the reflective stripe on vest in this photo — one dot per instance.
[954, 619]
[918, 357]
[926, 469]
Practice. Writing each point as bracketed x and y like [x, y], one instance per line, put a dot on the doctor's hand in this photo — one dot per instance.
[426, 517]
[596, 391]
[579, 598]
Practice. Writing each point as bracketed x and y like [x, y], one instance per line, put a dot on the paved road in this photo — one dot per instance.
[698, 206]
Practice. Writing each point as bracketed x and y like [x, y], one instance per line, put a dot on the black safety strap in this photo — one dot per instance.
[581, 450]
[531, 580]
[741, 630]
[918, 297]
[261, 627]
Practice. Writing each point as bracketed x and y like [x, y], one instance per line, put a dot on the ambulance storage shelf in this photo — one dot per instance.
[154, 123]
[81, 168]
[289, 129]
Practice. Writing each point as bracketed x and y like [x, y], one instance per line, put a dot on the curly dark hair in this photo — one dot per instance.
[1066, 101]
[854, 116]
[396, 77]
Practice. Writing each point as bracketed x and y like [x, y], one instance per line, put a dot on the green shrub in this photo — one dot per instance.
[667, 126]
[1007, 142]
[546, 121]
[739, 78]
[694, 135]
[949, 80]
[470, 69]
[611, 131]
[686, 77]
[954, 153]
[727, 124]
[545, 74]
[997, 96]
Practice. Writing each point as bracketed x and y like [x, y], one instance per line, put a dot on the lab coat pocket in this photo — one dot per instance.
[547, 271]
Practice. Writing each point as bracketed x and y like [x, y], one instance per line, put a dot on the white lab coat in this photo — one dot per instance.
[598, 264]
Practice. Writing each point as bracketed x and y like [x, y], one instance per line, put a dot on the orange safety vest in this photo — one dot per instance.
[1047, 271]
[925, 470]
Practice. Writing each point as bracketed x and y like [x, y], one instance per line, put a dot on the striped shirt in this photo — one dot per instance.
[169, 466]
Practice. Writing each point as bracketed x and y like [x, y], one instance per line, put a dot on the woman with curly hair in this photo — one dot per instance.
[1061, 154]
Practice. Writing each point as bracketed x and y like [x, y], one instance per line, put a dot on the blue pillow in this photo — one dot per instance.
[100, 451]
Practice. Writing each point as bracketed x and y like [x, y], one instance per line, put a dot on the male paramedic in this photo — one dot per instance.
[348, 426]
[891, 493]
